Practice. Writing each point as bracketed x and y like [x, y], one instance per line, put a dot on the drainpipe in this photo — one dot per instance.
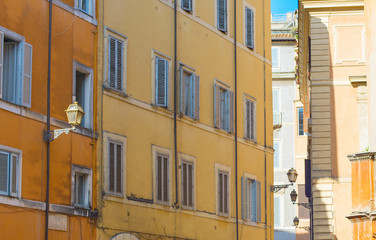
[236, 125]
[48, 122]
[175, 105]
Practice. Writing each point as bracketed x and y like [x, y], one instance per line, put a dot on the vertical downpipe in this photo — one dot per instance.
[236, 126]
[265, 146]
[48, 121]
[175, 105]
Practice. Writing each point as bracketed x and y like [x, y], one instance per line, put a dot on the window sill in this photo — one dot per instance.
[162, 109]
[223, 215]
[116, 92]
[220, 130]
[188, 118]
[248, 140]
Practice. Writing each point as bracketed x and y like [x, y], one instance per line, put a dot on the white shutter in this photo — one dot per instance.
[197, 98]
[27, 72]
[1, 62]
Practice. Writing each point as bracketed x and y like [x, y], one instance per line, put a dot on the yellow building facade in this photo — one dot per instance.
[172, 99]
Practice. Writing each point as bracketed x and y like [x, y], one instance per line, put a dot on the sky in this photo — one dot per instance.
[283, 6]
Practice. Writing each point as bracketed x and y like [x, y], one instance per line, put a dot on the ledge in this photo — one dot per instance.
[362, 156]
[365, 216]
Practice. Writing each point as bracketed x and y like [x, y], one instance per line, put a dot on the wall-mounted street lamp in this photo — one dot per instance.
[74, 115]
[291, 175]
[294, 196]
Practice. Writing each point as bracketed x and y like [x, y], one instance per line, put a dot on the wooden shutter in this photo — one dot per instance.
[186, 5]
[119, 64]
[4, 177]
[252, 123]
[249, 28]
[165, 180]
[1, 62]
[111, 168]
[226, 193]
[27, 72]
[190, 185]
[161, 78]
[222, 15]
[119, 170]
[244, 197]
[14, 175]
[115, 63]
[247, 119]
[217, 106]
[220, 192]
[197, 98]
[182, 91]
[231, 112]
[254, 201]
[258, 218]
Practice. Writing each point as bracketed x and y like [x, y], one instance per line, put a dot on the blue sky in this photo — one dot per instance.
[283, 6]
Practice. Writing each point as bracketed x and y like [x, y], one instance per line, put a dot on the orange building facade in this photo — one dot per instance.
[24, 48]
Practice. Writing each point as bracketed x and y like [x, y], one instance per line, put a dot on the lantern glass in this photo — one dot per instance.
[293, 196]
[296, 221]
[292, 174]
[74, 114]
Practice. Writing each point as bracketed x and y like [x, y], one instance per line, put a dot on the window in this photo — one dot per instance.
[251, 199]
[187, 179]
[162, 178]
[9, 173]
[81, 186]
[223, 108]
[277, 158]
[15, 68]
[223, 193]
[115, 168]
[83, 91]
[222, 15]
[186, 5]
[116, 76]
[250, 119]
[189, 93]
[300, 122]
[249, 28]
[275, 57]
[86, 6]
[303, 211]
[277, 115]
[161, 82]
[278, 211]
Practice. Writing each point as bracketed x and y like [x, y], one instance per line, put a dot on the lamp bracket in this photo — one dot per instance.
[277, 188]
[51, 135]
[306, 205]
[305, 228]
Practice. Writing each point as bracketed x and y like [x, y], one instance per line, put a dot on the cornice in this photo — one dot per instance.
[310, 4]
[362, 156]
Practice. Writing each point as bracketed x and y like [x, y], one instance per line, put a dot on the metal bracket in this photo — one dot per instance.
[305, 228]
[306, 205]
[277, 188]
[49, 136]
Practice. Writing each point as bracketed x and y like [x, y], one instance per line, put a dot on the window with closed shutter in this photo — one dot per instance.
[162, 178]
[189, 93]
[9, 173]
[300, 122]
[223, 191]
[250, 119]
[81, 186]
[187, 178]
[115, 165]
[222, 15]
[249, 25]
[115, 64]
[186, 5]
[161, 81]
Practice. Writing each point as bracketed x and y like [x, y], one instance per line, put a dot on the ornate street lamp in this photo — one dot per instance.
[293, 196]
[296, 221]
[75, 114]
[291, 175]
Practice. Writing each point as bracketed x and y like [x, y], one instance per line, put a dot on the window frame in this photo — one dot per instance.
[155, 55]
[194, 92]
[90, 12]
[279, 57]
[249, 98]
[18, 153]
[159, 151]
[119, 139]
[219, 168]
[88, 172]
[229, 105]
[246, 6]
[109, 33]
[20, 65]
[186, 159]
[247, 203]
[89, 73]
